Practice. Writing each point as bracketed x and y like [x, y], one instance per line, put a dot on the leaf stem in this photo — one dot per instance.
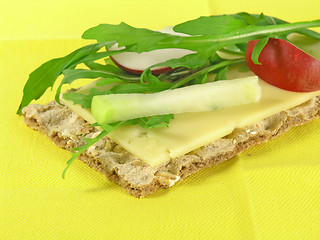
[211, 68]
[247, 34]
[82, 149]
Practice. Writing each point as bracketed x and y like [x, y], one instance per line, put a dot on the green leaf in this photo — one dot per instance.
[152, 122]
[70, 75]
[267, 20]
[244, 68]
[139, 88]
[249, 19]
[113, 71]
[130, 88]
[135, 39]
[46, 75]
[205, 70]
[103, 67]
[191, 61]
[153, 84]
[43, 78]
[212, 25]
[107, 128]
[238, 36]
[201, 79]
[242, 46]
[215, 58]
[108, 80]
[84, 99]
[158, 121]
[140, 40]
[222, 74]
[95, 56]
[234, 49]
[257, 50]
[80, 150]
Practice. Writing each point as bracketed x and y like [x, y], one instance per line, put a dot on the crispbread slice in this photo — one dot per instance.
[65, 128]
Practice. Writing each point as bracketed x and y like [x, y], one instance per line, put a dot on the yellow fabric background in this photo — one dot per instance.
[271, 191]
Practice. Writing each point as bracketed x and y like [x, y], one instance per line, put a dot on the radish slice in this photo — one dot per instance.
[285, 66]
[136, 63]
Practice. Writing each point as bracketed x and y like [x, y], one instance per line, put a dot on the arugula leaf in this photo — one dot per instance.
[200, 79]
[135, 39]
[263, 20]
[139, 88]
[147, 77]
[193, 60]
[221, 75]
[238, 36]
[70, 75]
[46, 75]
[243, 68]
[108, 81]
[249, 19]
[149, 83]
[205, 70]
[43, 78]
[84, 99]
[113, 71]
[257, 50]
[159, 121]
[156, 121]
[152, 122]
[235, 49]
[79, 150]
[205, 46]
[211, 25]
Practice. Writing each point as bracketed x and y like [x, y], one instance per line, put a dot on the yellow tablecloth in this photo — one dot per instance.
[271, 191]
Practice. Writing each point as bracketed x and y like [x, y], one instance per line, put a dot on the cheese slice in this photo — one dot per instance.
[190, 131]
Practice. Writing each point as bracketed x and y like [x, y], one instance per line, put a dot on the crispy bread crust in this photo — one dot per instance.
[65, 128]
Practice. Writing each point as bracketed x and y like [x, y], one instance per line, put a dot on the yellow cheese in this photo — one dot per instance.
[190, 131]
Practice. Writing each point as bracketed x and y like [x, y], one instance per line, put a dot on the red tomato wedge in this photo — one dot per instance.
[285, 66]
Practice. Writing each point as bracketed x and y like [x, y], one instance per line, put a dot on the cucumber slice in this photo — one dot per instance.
[195, 98]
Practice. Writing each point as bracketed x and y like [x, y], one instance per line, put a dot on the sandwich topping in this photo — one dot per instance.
[216, 44]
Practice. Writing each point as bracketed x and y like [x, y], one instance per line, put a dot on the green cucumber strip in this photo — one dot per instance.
[196, 98]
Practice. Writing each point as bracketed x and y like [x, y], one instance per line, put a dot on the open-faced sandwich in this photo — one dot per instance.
[161, 105]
